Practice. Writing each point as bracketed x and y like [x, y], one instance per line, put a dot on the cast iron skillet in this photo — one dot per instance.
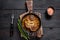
[35, 16]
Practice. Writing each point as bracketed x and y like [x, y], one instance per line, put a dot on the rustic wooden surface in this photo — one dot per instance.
[51, 27]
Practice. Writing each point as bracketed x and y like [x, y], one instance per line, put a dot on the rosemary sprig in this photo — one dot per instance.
[23, 33]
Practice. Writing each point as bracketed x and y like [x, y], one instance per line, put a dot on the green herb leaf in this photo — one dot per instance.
[23, 33]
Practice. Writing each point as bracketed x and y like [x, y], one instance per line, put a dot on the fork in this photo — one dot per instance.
[12, 25]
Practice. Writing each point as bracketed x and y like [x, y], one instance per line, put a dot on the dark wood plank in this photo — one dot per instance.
[53, 34]
[20, 4]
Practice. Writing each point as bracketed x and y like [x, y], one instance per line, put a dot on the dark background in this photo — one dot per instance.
[51, 27]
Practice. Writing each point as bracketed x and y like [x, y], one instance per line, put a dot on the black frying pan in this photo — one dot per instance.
[33, 15]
